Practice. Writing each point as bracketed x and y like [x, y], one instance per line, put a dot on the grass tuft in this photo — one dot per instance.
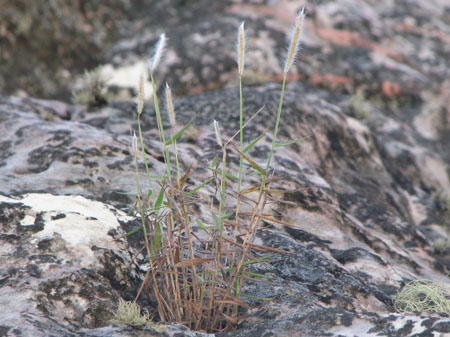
[197, 267]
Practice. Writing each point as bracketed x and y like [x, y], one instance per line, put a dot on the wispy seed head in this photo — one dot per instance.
[295, 41]
[134, 144]
[241, 49]
[158, 52]
[169, 104]
[140, 103]
[216, 129]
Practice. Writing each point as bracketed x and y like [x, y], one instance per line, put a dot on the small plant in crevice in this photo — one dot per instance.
[442, 199]
[94, 90]
[442, 246]
[197, 267]
[129, 313]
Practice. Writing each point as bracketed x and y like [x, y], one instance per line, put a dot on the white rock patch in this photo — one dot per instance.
[85, 223]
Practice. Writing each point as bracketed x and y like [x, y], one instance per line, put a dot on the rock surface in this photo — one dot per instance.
[374, 102]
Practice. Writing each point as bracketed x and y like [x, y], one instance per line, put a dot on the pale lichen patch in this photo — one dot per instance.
[85, 223]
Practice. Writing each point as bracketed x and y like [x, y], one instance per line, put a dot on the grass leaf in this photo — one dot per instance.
[253, 143]
[180, 132]
[200, 186]
[289, 142]
[130, 232]
[160, 199]
[250, 161]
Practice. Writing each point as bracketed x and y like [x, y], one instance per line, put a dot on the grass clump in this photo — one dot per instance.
[424, 295]
[197, 267]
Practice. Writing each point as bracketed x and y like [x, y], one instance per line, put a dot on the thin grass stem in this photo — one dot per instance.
[165, 150]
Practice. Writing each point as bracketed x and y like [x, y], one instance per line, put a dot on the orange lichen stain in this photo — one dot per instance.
[330, 79]
[390, 89]
[347, 39]
[280, 12]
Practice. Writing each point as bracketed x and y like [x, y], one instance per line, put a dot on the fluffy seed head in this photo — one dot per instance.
[216, 129]
[134, 144]
[295, 41]
[169, 105]
[158, 52]
[241, 49]
[140, 103]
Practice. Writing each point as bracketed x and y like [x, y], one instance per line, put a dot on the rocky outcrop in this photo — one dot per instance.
[363, 226]
[372, 177]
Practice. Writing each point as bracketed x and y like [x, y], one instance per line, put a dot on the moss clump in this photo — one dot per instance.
[442, 199]
[424, 295]
[360, 107]
[441, 245]
[129, 313]
[94, 92]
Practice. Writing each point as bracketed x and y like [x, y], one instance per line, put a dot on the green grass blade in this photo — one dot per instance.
[200, 186]
[253, 143]
[227, 216]
[201, 224]
[250, 161]
[130, 232]
[228, 175]
[254, 173]
[257, 275]
[289, 142]
[254, 164]
[214, 162]
[179, 133]
[259, 259]
[255, 298]
[160, 199]
[216, 221]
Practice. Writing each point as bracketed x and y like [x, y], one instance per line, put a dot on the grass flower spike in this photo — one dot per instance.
[241, 49]
[216, 129]
[134, 144]
[241, 63]
[169, 104]
[140, 100]
[295, 41]
[171, 112]
[158, 52]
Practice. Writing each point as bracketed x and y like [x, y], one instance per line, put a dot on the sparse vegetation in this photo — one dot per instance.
[424, 295]
[129, 313]
[94, 91]
[197, 266]
[442, 199]
[441, 245]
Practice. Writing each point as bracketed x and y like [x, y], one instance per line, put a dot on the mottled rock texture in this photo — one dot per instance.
[371, 92]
